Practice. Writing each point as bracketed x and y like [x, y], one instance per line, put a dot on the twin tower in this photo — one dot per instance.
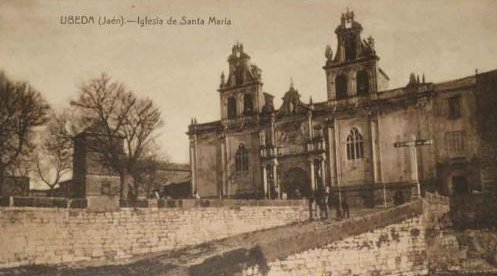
[351, 72]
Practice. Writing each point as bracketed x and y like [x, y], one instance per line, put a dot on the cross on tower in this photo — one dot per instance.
[413, 144]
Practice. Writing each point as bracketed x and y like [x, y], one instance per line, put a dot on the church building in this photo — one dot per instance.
[366, 140]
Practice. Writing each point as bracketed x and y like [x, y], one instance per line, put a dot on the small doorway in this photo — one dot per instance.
[460, 185]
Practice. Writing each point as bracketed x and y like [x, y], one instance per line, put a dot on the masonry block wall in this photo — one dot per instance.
[398, 249]
[50, 235]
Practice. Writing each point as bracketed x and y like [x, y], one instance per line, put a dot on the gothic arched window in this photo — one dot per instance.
[231, 107]
[341, 86]
[355, 145]
[362, 83]
[241, 158]
[248, 105]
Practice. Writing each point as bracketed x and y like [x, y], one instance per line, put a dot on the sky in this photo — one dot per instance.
[179, 66]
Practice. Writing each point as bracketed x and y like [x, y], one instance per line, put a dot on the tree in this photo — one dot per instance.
[147, 173]
[22, 109]
[54, 154]
[118, 112]
[23, 165]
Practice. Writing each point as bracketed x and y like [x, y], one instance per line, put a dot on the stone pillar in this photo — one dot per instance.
[275, 177]
[310, 130]
[273, 130]
[323, 170]
[331, 155]
[313, 177]
[351, 88]
[337, 158]
[193, 162]
[372, 146]
[239, 104]
[414, 165]
[224, 177]
[264, 181]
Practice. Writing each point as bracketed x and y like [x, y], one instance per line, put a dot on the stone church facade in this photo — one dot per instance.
[367, 140]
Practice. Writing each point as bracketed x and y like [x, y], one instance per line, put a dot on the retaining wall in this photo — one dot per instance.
[60, 235]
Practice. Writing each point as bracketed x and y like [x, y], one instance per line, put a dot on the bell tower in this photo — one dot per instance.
[353, 71]
[241, 92]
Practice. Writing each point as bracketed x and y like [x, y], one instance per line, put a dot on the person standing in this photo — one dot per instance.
[326, 200]
[312, 202]
[323, 204]
[345, 206]
[333, 201]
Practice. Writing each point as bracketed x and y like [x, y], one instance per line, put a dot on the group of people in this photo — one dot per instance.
[322, 200]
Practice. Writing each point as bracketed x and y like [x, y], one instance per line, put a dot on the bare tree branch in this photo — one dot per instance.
[22, 109]
[118, 113]
[54, 156]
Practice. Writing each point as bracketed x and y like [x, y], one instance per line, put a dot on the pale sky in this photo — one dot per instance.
[179, 66]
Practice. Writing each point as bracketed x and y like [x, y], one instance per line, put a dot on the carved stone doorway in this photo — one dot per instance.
[296, 183]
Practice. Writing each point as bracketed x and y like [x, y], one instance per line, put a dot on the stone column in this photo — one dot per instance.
[372, 145]
[351, 79]
[331, 155]
[264, 180]
[323, 170]
[193, 162]
[414, 165]
[273, 130]
[223, 166]
[337, 158]
[239, 104]
[310, 130]
[275, 176]
[313, 177]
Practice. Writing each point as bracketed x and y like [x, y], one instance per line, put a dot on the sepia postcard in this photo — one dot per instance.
[223, 137]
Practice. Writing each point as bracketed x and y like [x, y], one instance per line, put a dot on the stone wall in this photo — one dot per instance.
[53, 235]
[398, 249]
[474, 211]
[387, 242]
[462, 252]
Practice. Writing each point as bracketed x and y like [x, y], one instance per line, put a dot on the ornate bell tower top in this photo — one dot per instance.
[241, 71]
[353, 70]
[240, 91]
[350, 45]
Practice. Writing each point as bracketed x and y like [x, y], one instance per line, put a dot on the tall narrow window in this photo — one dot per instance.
[350, 48]
[247, 105]
[362, 83]
[341, 86]
[231, 107]
[355, 145]
[241, 158]
[454, 107]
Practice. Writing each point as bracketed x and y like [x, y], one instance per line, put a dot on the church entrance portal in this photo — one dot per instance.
[296, 182]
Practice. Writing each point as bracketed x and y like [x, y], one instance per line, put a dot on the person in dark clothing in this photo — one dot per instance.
[398, 198]
[311, 200]
[131, 193]
[326, 199]
[334, 202]
[274, 193]
[321, 202]
[345, 206]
